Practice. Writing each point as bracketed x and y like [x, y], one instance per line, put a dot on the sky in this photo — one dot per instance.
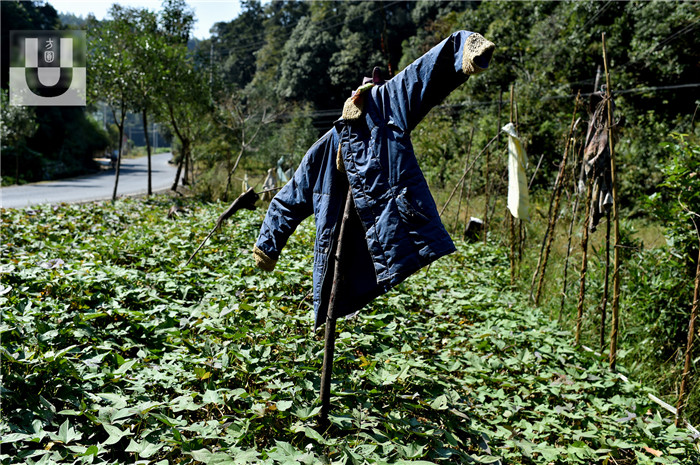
[207, 12]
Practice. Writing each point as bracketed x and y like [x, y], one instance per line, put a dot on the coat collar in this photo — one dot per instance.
[354, 107]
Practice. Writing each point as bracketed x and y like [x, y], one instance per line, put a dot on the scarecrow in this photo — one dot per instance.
[393, 228]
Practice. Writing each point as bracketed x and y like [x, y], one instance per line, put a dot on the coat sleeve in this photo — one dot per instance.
[289, 207]
[428, 80]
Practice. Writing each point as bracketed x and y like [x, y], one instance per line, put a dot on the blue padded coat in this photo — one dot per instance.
[396, 229]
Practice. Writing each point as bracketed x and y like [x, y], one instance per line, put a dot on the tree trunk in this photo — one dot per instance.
[119, 156]
[177, 175]
[144, 118]
[186, 155]
[185, 148]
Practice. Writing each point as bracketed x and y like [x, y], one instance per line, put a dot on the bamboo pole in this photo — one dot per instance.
[511, 219]
[554, 204]
[604, 302]
[616, 218]
[487, 198]
[521, 236]
[464, 175]
[569, 236]
[461, 187]
[468, 200]
[584, 263]
[329, 343]
[689, 347]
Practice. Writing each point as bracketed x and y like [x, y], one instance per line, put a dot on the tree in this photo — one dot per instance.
[17, 123]
[148, 85]
[280, 19]
[304, 69]
[176, 21]
[234, 44]
[52, 150]
[112, 69]
[186, 97]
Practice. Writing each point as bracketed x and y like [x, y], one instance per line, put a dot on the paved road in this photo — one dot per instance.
[132, 180]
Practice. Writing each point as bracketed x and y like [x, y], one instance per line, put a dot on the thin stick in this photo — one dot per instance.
[554, 209]
[689, 347]
[211, 233]
[487, 198]
[465, 174]
[532, 179]
[511, 219]
[604, 303]
[461, 188]
[613, 175]
[570, 235]
[584, 263]
[329, 343]
[233, 208]
[468, 201]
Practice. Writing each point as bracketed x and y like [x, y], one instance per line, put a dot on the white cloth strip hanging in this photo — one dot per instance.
[518, 197]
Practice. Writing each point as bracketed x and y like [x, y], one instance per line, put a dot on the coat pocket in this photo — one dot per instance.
[409, 211]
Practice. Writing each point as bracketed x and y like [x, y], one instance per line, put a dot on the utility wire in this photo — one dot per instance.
[636, 90]
[251, 46]
[597, 14]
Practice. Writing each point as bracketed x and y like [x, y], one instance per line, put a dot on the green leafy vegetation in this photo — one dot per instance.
[126, 357]
[112, 352]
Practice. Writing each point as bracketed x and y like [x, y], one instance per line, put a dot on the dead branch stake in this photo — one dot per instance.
[689, 347]
[584, 263]
[245, 200]
[554, 208]
[329, 342]
[613, 175]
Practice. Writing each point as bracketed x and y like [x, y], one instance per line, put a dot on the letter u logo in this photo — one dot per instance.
[46, 71]
[50, 81]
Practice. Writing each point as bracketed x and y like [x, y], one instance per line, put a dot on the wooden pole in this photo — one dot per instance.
[689, 347]
[554, 209]
[486, 195]
[511, 219]
[604, 302]
[521, 236]
[468, 199]
[569, 236]
[329, 343]
[461, 187]
[616, 218]
[487, 198]
[584, 263]
[582, 291]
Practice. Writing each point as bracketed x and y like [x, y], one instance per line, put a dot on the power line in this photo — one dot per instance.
[598, 13]
[664, 42]
[254, 45]
[636, 90]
